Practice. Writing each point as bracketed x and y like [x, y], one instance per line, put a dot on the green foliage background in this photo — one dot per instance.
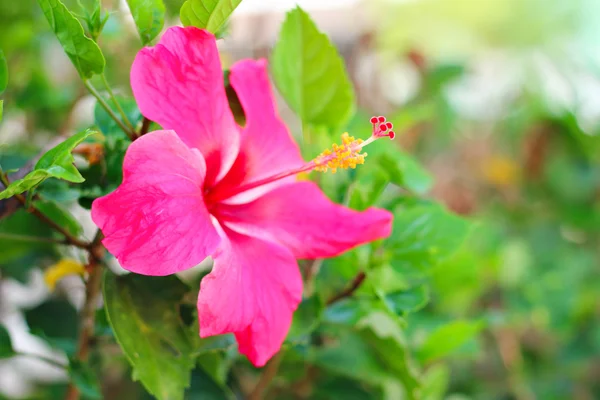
[488, 287]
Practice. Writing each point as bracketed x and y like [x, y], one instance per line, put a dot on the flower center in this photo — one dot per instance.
[339, 156]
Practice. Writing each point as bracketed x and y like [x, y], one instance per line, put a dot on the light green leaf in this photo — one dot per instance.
[149, 17]
[207, 14]
[410, 300]
[448, 338]
[1, 109]
[385, 336]
[310, 74]
[435, 382]
[3, 74]
[55, 163]
[144, 314]
[6, 349]
[83, 51]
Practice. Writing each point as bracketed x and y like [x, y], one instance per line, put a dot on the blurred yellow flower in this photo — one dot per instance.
[501, 171]
[65, 267]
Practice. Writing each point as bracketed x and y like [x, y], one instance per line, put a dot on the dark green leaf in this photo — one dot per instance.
[83, 51]
[144, 314]
[15, 232]
[6, 349]
[149, 17]
[3, 75]
[306, 318]
[423, 236]
[447, 338]
[207, 14]
[84, 379]
[61, 216]
[310, 74]
[42, 320]
[55, 163]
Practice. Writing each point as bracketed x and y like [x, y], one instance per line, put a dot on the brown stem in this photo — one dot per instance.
[267, 376]
[145, 126]
[356, 282]
[88, 319]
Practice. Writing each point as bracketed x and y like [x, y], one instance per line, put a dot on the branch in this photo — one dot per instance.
[130, 133]
[356, 282]
[114, 99]
[267, 376]
[34, 239]
[88, 318]
[70, 239]
[145, 126]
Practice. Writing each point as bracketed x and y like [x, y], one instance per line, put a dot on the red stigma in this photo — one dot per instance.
[381, 119]
[383, 127]
[374, 120]
[392, 135]
[389, 125]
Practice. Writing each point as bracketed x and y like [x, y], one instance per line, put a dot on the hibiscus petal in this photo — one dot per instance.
[300, 217]
[156, 222]
[267, 147]
[252, 291]
[179, 84]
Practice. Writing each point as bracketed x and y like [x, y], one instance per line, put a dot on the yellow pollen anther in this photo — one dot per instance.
[344, 156]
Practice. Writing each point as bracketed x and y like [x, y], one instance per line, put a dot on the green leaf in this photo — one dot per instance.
[149, 17]
[386, 338]
[6, 349]
[448, 338]
[61, 216]
[42, 320]
[375, 352]
[20, 254]
[55, 163]
[144, 314]
[310, 74]
[3, 75]
[306, 318]
[84, 379]
[207, 14]
[108, 126]
[1, 109]
[435, 382]
[405, 171]
[423, 236]
[83, 51]
[410, 300]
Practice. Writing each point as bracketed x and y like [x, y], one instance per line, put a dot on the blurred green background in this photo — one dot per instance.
[499, 99]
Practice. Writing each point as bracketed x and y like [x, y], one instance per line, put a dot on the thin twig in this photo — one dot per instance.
[110, 112]
[72, 240]
[356, 282]
[145, 126]
[117, 104]
[267, 376]
[25, 238]
[43, 358]
[88, 319]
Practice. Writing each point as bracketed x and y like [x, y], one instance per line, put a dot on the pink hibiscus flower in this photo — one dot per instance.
[208, 187]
